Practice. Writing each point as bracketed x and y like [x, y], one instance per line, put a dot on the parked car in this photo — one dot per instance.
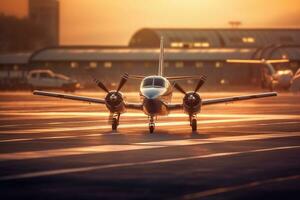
[47, 79]
[295, 84]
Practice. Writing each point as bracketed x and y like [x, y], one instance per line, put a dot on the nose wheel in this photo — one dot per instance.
[151, 125]
[115, 121]
[193, 123]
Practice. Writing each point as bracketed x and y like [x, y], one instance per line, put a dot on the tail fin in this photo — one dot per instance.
[161, 58]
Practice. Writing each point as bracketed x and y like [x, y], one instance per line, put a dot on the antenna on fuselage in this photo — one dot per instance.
[161, 57]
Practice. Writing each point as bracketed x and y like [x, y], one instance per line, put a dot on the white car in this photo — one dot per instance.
[47, 79]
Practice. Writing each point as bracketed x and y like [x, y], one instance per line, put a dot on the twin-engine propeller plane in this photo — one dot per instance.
[156, 93]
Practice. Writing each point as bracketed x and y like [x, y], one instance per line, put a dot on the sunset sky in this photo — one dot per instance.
[113, 22]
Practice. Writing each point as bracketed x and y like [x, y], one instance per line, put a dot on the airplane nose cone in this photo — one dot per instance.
[151, 93]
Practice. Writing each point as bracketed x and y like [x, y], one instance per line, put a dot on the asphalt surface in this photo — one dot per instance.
[62, 149]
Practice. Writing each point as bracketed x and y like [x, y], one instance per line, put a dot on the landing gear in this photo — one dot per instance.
[115, 121]
[193, 123]
[151, 124]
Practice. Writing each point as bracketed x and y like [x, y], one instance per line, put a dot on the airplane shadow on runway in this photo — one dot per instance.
[159, 135]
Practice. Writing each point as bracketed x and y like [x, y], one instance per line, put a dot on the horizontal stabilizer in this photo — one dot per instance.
[178, 78]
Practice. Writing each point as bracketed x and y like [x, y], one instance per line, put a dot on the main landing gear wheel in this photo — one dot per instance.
[151, 128]
[194, 125]
[115, 122]
[193, 122]
[151, 124]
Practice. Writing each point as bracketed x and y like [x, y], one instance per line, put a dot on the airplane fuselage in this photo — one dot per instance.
[155, 94]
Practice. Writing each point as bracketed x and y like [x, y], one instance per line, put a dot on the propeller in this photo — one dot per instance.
[122, 82]
[120, 86]
[179, 88]
[102, 86]
[198, 86]
[200, 83]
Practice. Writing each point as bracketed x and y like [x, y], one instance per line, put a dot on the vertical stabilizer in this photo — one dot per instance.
[161, 58]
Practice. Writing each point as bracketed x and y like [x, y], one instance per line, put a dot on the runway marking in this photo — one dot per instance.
[66, 122]
[134, 146]
[159, 161]
[136, 125]
[219, 139]
[253, 184]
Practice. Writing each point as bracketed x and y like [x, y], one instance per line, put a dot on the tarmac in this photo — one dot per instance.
[62, 149]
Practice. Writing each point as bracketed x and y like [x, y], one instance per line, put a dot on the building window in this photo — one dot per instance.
[248, 39]
[93, 65]
[74, 65]
[177, 44]
[179, 64]
[199, 64]
[218, 64]
[201, 44]
[224, 81]
[107, 64]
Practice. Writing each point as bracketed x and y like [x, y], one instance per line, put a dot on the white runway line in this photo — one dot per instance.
[134, 146]
[253, 184]
[160, 161]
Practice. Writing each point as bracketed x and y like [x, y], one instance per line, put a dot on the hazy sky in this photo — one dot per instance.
[112, 22]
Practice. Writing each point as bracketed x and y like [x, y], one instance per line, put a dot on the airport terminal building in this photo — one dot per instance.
[188, 52]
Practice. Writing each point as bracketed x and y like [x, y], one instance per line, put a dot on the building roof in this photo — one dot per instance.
[216, 38]
[17, 58]
[141, 54]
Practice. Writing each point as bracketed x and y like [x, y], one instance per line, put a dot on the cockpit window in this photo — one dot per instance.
[148, 82]
[154, 82]
[158, 82]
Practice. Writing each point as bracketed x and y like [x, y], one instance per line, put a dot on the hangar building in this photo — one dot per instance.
[188, 51]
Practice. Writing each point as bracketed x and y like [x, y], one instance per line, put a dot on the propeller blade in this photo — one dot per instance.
[179, 88]
[101, 85]
[122, 82]
[200, 83]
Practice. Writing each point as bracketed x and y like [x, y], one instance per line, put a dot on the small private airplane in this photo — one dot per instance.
[156, 93]
[271, 78]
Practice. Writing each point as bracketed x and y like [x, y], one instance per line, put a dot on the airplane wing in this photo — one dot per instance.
[238, 98]
[138, 77]
[68, 96]
[178, 106]
[128, 105]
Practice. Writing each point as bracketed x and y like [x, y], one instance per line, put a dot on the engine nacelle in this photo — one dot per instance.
[192, 103]
[114, 102]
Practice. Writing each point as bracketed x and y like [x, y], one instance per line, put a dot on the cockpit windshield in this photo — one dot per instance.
[148, 82]
[159, 82]
[154, 82]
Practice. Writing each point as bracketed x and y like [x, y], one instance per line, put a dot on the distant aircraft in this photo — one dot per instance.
[156, 93]
[271, 79]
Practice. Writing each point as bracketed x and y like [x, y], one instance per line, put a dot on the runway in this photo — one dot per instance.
[63, 149]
